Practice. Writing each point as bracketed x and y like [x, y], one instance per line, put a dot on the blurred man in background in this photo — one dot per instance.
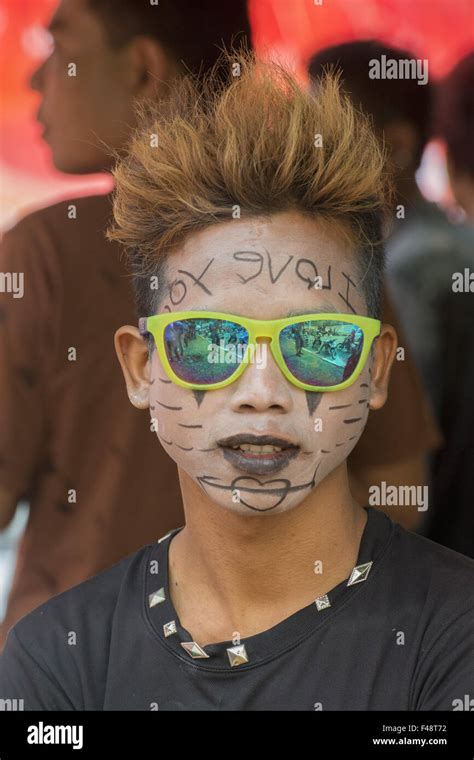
[85, 511]
[452, 517]
[454, 122]
[424, 250]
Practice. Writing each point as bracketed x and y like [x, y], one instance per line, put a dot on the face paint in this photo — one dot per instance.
[265, 269]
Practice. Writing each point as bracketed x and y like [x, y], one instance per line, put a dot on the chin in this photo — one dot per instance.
[250, 506]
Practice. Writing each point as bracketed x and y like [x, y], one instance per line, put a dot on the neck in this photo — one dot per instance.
[247, 573]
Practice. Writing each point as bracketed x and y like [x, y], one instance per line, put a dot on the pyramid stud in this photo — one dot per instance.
[156, 597]
[169, 628]
[322, 602]
[165, 536]
[237, 655]
[193, 649]
[359, 573]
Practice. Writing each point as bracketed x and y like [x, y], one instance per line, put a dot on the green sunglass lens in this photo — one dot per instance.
[205, 351]
[322, 352]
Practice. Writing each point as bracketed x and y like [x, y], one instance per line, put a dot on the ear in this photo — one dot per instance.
[132, 353]
[147, 66]
[384, 350]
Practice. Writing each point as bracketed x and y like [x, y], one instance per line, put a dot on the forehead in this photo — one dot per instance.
[265, 267]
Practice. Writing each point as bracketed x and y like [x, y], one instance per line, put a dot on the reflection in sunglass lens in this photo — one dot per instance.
[321, 352]
[205, 351]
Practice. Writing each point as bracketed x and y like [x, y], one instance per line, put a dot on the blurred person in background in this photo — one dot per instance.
[69, 437]
[454, 122]
[404, 120]
[423, 251]
[452, 516]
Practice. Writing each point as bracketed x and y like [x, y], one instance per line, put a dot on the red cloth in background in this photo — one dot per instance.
[442, 30]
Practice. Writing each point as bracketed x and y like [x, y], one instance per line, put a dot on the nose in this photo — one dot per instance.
[262, 386]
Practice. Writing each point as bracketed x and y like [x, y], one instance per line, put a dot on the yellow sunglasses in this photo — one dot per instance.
[206, 350]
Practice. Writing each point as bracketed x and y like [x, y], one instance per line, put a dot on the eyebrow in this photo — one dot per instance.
[328, 309]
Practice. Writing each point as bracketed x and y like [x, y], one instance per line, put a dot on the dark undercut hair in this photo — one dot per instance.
[386, 102]
[454, 120]
[191, 32]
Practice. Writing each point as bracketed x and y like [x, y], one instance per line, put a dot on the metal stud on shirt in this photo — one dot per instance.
[237, 655]
[322, 602]
[165, 536]
[156, 597]
[359, 573]
[193, 649]
[170, 628]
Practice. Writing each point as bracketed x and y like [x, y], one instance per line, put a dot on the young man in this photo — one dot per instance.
[65, 445]
[257, 208]
[71, 465]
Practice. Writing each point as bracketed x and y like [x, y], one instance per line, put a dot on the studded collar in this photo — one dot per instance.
[241, 655]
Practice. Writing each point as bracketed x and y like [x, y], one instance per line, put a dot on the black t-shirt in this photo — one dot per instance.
[402, 639]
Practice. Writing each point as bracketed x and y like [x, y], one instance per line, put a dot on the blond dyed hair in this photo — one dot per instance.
[248, 141]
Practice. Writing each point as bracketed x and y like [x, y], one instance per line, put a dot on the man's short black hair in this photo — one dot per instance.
[386, 101]
[190, 31]
[455, 114]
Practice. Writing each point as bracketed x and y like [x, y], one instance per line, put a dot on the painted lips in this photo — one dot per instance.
[260, 463]
[258, 454]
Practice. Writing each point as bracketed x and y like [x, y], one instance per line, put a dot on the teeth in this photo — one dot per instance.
[268, 449]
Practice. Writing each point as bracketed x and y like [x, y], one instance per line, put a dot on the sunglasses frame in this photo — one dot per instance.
[259, 328]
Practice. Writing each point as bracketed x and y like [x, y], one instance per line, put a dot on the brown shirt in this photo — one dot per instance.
[68, 425]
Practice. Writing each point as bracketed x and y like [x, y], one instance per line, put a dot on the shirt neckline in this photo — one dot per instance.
[266, 645]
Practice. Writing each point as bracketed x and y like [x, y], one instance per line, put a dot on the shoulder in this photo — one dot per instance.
[431, 557]
[421, 577]
[64, 643]
[430, 593]
[444, 577]
[49, 241]
[50, 218]
[444, 676]
[437, 589]
[89, 605]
